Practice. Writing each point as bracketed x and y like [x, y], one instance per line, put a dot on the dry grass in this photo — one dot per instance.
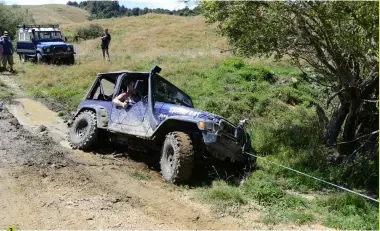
[177, 44]
[56, 13]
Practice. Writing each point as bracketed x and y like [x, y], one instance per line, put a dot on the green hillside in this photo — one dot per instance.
[55, 13]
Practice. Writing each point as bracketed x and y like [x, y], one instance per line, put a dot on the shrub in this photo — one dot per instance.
[90, 31]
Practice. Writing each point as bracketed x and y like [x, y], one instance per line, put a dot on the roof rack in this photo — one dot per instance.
[38, 26]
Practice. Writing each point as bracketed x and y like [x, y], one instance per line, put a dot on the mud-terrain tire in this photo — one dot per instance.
[83, 131]
[70, 60]
[177, 158]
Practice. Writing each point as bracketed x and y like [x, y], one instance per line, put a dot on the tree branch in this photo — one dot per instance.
[333, 96]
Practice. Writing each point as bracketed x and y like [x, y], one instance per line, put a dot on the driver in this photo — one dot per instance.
[128, 97]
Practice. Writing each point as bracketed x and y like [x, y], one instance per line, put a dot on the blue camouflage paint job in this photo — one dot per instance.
[133, 120]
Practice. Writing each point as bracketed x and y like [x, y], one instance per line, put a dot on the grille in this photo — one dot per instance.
[227, 128]
[58, 50]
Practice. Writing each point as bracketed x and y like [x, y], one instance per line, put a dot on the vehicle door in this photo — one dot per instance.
[25, 44]
[131, 120]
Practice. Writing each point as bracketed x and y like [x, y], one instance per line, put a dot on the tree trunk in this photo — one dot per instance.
[350, 124]
[335, 124]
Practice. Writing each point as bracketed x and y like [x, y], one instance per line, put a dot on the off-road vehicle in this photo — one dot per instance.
[164, 119]
[43, 44]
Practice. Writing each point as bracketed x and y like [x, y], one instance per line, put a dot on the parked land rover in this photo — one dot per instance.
[43, 43]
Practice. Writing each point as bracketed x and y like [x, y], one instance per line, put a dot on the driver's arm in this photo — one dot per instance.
[121, 100]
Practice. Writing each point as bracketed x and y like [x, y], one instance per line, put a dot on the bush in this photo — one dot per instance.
[87, 32]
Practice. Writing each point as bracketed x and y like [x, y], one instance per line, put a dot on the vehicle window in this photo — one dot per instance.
[168, 93]
[104, 90]
[26, 36]
[56, 35]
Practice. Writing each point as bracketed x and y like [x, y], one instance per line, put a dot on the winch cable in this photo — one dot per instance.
[315, 178]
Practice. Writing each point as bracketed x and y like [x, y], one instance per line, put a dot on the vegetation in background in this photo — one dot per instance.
[338, 43]
[90, 31]
[10, 18]
[112, 9]
[53, 13]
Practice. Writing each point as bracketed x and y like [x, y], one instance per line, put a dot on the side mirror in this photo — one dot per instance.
[65, 39]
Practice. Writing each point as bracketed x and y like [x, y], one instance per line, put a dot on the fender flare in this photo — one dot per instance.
[178, 119]
[101, 115]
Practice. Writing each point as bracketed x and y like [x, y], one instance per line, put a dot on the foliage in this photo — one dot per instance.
[338, 40]
[10, 17]
[111, 9]
[335, 45]
[90, 31]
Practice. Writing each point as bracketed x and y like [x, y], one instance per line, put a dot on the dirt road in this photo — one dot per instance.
[44, 184]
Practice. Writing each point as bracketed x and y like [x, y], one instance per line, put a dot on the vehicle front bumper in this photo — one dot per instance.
[58, 55]
[222, 147]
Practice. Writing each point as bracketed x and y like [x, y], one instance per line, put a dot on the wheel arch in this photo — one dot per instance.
[171, 125]
[100, 112]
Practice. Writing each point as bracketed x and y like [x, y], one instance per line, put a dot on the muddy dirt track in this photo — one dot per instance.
[44, 184]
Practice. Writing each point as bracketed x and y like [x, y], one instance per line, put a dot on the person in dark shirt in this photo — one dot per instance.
[106, 39]
[7, 52]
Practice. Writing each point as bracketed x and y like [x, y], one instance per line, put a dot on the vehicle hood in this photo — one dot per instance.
[177, 110]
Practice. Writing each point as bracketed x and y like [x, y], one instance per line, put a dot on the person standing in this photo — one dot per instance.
[5, 34]
[1, 57]
[7, 52]
[106, 39]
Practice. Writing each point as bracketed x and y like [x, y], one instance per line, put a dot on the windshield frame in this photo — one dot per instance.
[157, 77]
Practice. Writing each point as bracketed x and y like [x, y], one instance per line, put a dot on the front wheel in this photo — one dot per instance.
[70, 60]
[40, 59]
[84, 132]
[177, 158]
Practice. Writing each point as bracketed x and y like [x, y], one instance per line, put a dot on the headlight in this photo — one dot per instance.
[68, 48]
[208, 126]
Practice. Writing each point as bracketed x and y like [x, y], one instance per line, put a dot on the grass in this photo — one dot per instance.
[283, 124]
[336, 210]
[55, 13]
[141, 175]
[4, 91]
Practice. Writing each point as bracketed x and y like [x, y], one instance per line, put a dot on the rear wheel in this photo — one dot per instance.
[177, 158]
[22, 58]
[84, 132]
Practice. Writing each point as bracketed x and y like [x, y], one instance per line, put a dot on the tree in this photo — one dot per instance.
[337, 40]
[10, 17]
